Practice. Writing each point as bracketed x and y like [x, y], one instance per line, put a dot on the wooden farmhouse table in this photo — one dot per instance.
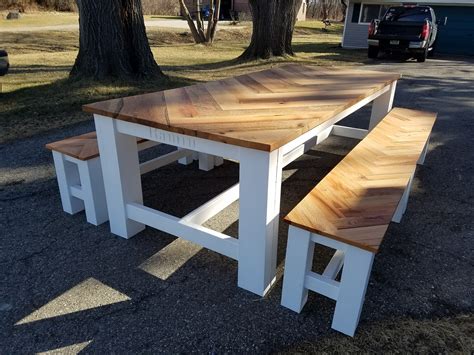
[263, 120]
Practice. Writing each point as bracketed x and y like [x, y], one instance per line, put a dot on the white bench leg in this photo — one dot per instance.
[119, 160]
[402, 205]
[298, 262]
[92, 186]
[67, 175]
[206, 162]
[354, 280]
[421, 160]
[382, 105]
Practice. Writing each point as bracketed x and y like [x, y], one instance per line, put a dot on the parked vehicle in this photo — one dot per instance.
[404, 29]
[4, 63]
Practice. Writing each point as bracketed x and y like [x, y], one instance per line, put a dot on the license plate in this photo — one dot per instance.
[394, 42]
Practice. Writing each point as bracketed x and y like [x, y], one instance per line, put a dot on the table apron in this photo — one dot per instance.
[287, 148]
[201, 145]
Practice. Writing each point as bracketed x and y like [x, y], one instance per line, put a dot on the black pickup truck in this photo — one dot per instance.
[404, 29]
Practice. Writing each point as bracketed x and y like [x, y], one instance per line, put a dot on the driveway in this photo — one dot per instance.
[67, 284]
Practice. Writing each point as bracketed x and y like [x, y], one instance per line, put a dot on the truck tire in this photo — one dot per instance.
[373, 52]
[4, 64]
[422, 57]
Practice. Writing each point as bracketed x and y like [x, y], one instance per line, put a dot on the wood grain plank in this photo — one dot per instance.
[356, 201]
[227, 110]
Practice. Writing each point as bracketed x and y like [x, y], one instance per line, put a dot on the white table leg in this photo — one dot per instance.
[260, 186]
[121, 171]
[382, 105]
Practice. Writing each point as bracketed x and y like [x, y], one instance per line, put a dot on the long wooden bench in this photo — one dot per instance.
[79, 173]
[350, 211]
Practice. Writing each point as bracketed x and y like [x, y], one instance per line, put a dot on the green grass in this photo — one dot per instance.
[36, 19]
[37, 95]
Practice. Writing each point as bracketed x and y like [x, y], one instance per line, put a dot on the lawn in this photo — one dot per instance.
[39, 19]
[37, 95]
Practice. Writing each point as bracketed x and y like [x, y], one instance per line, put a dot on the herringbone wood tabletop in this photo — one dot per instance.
[262, 110]
[356, 201]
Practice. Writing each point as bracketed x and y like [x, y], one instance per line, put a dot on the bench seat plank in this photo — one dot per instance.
[83, 147]
[356, 201]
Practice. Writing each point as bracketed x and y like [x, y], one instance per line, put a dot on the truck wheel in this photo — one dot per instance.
[373, 52]
[422, 57]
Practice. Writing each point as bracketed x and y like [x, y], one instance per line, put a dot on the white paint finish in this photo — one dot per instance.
[219, 242]
[349, 132]
[218, 161]
[147, 144]
[321, 128]
[260, 184]
[299, 151]
[353, 285]
[120, 167]
[349, 293]
[322, 285]
[179, 140]
[76, 191]
[213, 207]
[92, 186]
[206, 162]
[402, 205]
[164, 160]
[382, 106]
[67, 175]
[335, 265]
[422, 158]
[328, 242]
[324, 135]
[298, 262]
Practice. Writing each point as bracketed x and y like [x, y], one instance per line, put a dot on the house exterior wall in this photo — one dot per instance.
[355, 34]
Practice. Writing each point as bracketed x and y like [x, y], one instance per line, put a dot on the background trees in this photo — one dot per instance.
[273, 23]
[199, 32]
[113, 41]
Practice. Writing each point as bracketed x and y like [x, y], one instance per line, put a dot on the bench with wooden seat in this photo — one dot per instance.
[350, 211]
[79, 172]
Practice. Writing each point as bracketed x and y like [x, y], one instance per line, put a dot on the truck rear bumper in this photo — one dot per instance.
[397, 45]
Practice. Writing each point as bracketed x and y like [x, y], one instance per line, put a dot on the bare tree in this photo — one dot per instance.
[113, 41]
[327, 9]
[200, 34]
[273, 23]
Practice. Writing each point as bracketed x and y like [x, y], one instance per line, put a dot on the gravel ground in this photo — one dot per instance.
[68, 285]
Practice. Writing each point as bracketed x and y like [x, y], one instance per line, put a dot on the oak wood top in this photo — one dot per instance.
[262, 110]
[83, 147]
[356, 201]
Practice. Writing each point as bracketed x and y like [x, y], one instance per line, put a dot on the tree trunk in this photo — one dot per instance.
[324, 8]
[113, 41]
[273, 25]
[344, 10]
[197, 29]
